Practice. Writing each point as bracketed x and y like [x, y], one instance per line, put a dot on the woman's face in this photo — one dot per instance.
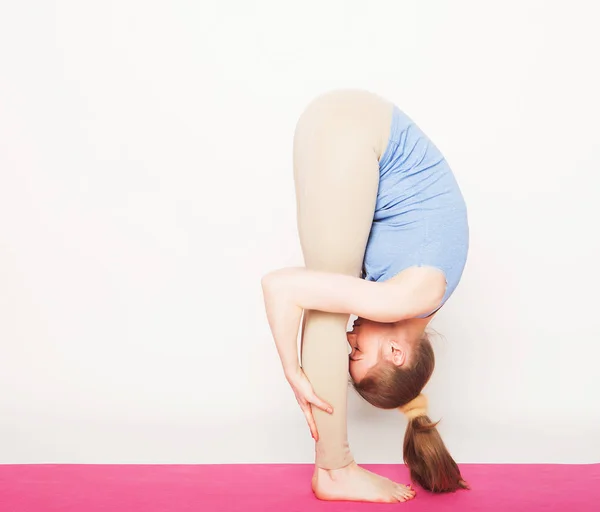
[368, 342]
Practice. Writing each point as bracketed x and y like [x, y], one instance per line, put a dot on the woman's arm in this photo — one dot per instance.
[288, 291]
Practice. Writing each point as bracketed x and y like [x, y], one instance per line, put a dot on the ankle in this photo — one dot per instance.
[334, 473]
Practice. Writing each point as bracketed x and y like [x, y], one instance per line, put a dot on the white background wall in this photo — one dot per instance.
[146, 186]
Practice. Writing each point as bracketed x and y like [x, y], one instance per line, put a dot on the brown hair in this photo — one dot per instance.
[388, 386]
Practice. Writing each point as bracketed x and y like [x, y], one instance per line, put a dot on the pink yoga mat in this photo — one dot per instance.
[281, 488]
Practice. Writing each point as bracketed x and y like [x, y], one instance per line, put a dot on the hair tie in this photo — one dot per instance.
[416, 407]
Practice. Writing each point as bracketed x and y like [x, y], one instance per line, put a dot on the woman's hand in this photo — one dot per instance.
[305, 396]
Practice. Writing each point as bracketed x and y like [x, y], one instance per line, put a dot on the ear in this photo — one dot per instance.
[398, 353]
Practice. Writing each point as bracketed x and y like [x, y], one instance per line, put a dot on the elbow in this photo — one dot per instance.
[280, 284]
[273, 281]
[279, 278]
[267, 281]
[267, 284]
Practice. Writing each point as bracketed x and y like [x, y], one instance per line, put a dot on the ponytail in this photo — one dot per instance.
[425, 454]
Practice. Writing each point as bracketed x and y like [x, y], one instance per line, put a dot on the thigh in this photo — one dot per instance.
[336, 175]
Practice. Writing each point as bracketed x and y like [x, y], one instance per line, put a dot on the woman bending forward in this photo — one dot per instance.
[384, 232]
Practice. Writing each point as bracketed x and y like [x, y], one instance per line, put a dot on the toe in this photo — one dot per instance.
[403, 493]
[407, 489]
[401, 497]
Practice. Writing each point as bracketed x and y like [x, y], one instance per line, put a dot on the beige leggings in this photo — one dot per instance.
[338, 141]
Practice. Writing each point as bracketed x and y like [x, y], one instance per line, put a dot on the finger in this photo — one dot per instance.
[311, 423]
[321, 404]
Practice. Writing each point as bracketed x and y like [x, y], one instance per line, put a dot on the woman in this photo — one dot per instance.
[384, 233]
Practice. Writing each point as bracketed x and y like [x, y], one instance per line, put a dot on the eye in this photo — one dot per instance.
[354, 350]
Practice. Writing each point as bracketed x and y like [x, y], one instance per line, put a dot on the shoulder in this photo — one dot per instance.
[426, 286]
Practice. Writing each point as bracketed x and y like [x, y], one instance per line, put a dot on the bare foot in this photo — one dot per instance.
[354, 483]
